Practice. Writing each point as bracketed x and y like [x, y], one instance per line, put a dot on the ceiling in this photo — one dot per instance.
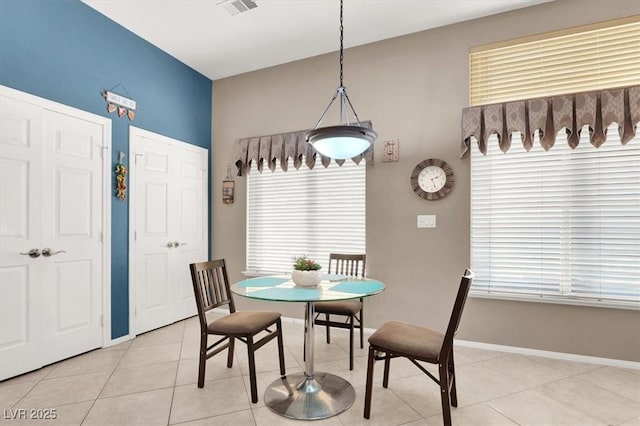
[203, 35]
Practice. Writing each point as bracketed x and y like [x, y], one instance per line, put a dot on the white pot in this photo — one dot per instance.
[306, 278]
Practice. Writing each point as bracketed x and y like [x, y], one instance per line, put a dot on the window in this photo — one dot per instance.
[579, 60]
[304, 212]
[558, 225]
[563, 223]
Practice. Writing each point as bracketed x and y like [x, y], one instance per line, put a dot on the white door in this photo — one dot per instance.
[72, 231]
[169, 227]
[21, 280]
[51, 186]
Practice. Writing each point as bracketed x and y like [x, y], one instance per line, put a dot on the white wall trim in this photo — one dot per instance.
[105, 122]
[549, 354]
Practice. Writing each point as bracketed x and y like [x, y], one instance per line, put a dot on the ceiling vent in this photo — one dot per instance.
[233, 7]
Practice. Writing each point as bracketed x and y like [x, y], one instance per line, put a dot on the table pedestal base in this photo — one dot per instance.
[298, 397]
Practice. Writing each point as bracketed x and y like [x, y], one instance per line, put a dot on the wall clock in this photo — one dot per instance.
[432, 179]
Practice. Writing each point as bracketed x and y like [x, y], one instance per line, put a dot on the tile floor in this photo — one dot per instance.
[151, 380]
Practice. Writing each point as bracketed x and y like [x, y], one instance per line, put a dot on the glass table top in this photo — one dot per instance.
[332, 287]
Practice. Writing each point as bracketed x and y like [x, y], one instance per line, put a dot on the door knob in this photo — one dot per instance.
[178, 244]
[32, 253]
[170, 244]
[46, 252]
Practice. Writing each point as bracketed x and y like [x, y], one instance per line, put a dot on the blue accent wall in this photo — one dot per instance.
[67, 52]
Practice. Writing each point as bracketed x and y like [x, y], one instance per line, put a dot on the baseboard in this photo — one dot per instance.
[549, 354]
[118, 340]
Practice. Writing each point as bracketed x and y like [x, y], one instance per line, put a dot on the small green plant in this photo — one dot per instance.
[302, 263]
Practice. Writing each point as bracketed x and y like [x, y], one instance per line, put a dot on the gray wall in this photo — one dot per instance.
[413, 89]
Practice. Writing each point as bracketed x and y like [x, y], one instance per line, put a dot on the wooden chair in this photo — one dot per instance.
[352, 310]
[398, 339]
[211, 287]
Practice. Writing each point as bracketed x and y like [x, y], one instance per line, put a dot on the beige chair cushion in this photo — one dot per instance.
[342, 307]
[243, 322]
[408, 339]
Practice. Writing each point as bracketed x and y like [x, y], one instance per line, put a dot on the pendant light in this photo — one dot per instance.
[345, 140]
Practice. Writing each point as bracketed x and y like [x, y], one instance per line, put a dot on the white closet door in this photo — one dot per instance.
[169, 227]
[51, 194]
[21, 279]
[72, 232]
[188, 225]
[153, 242]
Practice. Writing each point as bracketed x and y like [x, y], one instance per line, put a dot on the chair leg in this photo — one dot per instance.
[351, 343]
[454, 393]
[326, 316]
[387, 367]
[202, 360]
[252, 370]
[443, 369]
[369, 386]
[280, 347]
[361, 321]
[232, 342]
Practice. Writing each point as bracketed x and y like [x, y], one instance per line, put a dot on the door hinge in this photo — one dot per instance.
[135, 235]
[102, 320]
[101, 237]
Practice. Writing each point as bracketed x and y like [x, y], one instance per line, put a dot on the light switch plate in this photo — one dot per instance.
[391, 150]
[426, 221]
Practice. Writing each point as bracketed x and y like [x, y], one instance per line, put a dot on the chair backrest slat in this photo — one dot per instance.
[456, 314]
[211, 287]
[347, 264]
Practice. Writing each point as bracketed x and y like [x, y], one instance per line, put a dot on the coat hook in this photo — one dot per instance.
[121, 156]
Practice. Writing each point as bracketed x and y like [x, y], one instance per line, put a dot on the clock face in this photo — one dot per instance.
[432, 179]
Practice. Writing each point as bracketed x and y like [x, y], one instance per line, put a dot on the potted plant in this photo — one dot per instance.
[306, 272]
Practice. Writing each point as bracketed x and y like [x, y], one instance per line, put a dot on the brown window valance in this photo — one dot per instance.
[265, 150]
[598, 110]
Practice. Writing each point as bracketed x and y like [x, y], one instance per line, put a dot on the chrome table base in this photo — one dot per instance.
[309, 395]
[298, 397]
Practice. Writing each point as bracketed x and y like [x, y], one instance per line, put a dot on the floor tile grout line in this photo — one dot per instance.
[577, 376]
[477, 402]
[602, 389]
[566, 406]
[211, 417]
[502, 414]
[175, 377]
[84, 418]
[46, 376]
[536, 388]
[56, 378]
[403, 400]
[25, 394]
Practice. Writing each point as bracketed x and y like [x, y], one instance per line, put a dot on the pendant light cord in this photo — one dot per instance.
[345, 102]
[341, 42]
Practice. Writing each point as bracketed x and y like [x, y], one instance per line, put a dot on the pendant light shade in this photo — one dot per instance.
[341, 142]
[346, 140]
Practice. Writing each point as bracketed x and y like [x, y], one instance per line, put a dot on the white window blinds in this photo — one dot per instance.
[564, 224]
[304, 212]
[558, 224]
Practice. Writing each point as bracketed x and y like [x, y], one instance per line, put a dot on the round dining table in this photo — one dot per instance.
[310, 395]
